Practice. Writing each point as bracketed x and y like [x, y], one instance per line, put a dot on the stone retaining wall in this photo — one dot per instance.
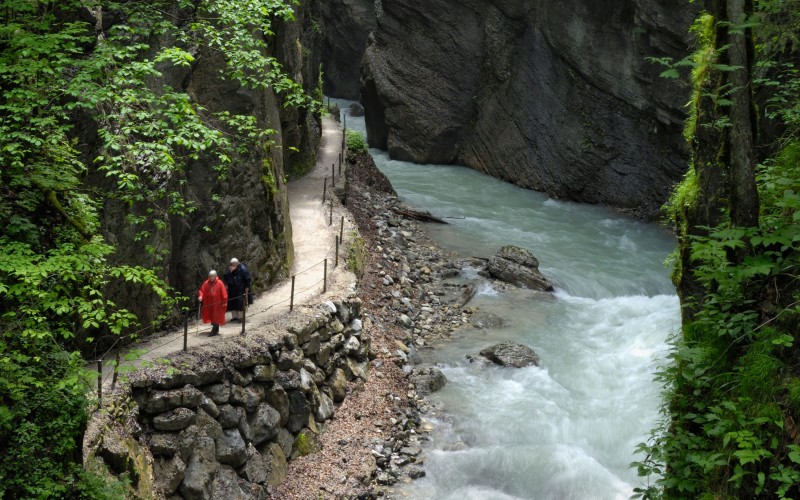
[222, 420]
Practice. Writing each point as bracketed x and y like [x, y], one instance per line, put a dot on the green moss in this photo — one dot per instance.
[268, 177]
[684, 197]
[356, 256]
[306, 443]
[702, 60]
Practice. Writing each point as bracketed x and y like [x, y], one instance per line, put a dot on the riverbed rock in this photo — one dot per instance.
[427, 379]
[511, 354]
[519, 267]
[488, 320]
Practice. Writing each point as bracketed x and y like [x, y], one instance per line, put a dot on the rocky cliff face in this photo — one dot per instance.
[243, 214]
[346, 25]
[552, 96]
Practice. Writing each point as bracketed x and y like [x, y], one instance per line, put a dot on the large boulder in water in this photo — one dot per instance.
[427, 380]
[511, 354]
[519, 267]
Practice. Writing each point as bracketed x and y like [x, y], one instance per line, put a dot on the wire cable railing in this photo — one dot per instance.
[113, 366]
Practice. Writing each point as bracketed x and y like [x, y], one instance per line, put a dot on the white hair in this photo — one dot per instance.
[212, 273]
[234, 261]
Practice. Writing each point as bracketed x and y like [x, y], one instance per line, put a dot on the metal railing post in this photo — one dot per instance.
[114, 378]
[291, 296]
[99, 381]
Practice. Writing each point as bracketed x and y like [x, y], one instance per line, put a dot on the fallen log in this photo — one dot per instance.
[417, 215]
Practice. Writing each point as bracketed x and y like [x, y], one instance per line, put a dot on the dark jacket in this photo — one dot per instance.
[237, 281]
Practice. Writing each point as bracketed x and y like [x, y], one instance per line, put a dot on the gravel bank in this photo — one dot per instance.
[410, 299]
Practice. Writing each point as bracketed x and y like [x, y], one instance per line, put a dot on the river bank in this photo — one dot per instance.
[375, 438]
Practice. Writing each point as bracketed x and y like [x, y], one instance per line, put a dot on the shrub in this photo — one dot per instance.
[355, 141]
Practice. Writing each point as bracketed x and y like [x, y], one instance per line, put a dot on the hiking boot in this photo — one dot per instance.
[214, 330]
[235, 320]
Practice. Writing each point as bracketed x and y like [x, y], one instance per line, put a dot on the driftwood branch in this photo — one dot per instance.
[417, 215]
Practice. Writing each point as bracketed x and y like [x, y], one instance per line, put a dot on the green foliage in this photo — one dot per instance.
[42, 416]
[725, 432]
[355, 141]
[319, 96]
[58, 70]
[732, 395]
[227, 26]
[48, 299]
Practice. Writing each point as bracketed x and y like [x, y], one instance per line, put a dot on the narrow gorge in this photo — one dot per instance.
[569, 271]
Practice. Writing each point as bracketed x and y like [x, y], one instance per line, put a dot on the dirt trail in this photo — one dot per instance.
[314, 231]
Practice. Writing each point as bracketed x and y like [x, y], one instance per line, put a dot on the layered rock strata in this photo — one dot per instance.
[560, 97]
[345, 27]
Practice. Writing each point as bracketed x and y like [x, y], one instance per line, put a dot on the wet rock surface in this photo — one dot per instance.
[560, 97]
[509, 354]
[519, 267]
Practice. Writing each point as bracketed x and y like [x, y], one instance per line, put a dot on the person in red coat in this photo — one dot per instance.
[214, 299]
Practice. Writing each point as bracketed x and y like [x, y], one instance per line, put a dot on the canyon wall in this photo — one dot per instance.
[554, 96]
[345, 28]
[241, 213]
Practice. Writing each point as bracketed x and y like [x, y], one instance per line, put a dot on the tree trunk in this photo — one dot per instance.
[743, 191]
[723, 157]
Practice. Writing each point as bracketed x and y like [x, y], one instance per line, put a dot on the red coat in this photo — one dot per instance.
[215, 301]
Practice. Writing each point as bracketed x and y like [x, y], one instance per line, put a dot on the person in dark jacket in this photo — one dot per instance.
[239, 281]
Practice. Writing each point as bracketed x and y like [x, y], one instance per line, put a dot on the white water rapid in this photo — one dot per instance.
[567, 429]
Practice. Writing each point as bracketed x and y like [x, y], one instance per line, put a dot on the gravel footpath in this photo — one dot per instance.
[410, 299]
